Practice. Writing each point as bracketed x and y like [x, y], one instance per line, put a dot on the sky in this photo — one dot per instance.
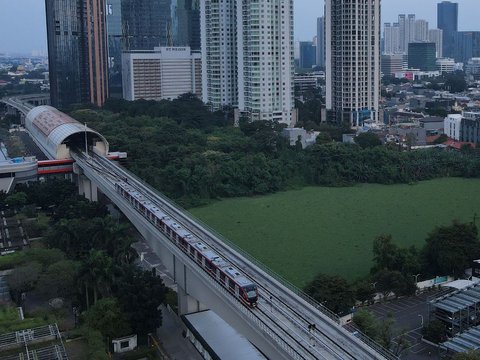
[22, 22]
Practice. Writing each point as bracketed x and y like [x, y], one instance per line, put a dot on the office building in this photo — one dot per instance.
[422, 56]
[391, 64]
[466, 45]
[307, 55]
[320, 46]
[436, 36]
[445, 65]
[447, 20]
[248, 58]
[352, 61]
[164, 73]
[77, 50]
[472, 69]
[391, 35]
[114, 38]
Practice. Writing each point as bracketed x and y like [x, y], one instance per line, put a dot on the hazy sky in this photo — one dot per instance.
[22, 22]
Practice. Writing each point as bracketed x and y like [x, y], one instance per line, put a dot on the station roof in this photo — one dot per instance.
[51, 127]
[219, 338]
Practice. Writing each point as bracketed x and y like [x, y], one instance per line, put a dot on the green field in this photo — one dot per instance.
[300, 233]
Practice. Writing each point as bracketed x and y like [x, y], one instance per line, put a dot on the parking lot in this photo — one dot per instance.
[410, 314]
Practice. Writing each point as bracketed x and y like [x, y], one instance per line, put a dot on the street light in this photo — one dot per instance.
[421, 319]
[416, 278]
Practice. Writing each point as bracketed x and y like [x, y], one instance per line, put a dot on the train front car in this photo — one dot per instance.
[250, 294]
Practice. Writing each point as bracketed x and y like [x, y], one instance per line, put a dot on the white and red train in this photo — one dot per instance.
[219, 269]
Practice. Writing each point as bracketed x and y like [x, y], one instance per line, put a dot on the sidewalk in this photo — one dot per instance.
[172, 340]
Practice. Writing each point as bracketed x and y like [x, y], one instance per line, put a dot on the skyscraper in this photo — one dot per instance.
[447, 20]
[247, 57]
[391, 35]
[321, 42]
[146, 24]
[421, 30]
[353, 60]
[436, 36]
[407, 31]
[114, 38]
[307, 55]
[77, 51]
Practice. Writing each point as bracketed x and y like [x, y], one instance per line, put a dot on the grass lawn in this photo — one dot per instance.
[300, 233]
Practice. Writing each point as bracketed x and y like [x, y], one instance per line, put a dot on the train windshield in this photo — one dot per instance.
[251, 291]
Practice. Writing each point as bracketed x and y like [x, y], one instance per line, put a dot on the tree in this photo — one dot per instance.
[106, 316]
[16, 200]
[59, 279]
[364, 291]
[367, 140]
[140, 295]
[450, 249]
[366, 323]
[435, 331]
[23, 279]
[384, 251]
[470, 355]
[388, 281]
[333, 292]
[96, 275]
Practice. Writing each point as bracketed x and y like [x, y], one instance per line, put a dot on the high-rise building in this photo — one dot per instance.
[248, 57]
[320, 42]
[447, 20]
[114, 38]
[77, 50]
[307, 55]
[407, 31]
[391, 35]
[421, 30]
[164, 73]
[146, 24]
[466, 45]
[352, 60]
[436, 36]
[422, 56]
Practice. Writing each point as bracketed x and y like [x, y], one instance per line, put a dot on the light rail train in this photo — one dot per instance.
[221, 270]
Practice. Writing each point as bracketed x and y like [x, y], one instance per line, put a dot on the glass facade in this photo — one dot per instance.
[422, 56]
[447, 20]
[114, 31]
[64, 51]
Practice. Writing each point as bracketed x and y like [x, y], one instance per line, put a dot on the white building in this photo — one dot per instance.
[436, 36]
[407, 31]
[445, 65]
[248, 57]
[353, 60]
[421, 30]
[472, 69]
[452, 126]
[391, 36]
[164, 73]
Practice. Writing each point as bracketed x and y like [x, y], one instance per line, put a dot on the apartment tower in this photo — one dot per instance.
[247, 57]
[77, 51]
[320, 46]
[352, 60]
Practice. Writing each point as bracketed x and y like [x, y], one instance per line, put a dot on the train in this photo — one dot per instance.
[204, 256]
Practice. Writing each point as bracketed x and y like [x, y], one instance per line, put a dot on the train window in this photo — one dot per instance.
[222, 278]
[231, 284]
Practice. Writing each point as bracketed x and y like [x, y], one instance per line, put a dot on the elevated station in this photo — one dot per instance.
[56, 133]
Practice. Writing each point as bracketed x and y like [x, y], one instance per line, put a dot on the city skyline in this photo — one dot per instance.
[33, 38]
